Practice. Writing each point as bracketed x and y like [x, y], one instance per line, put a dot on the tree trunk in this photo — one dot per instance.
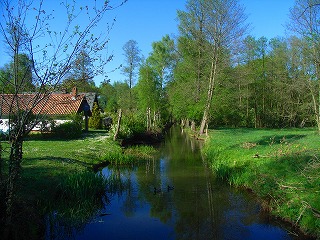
[205, 118]
[118, 125]
[1, 165]
[148, 119]
[13, 176]
[86, 122]
[193, 126]
[154, 119]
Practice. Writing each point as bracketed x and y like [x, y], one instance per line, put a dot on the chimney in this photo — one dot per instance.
[74, 92]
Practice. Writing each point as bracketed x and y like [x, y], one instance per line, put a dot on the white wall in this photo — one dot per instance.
[4, 124]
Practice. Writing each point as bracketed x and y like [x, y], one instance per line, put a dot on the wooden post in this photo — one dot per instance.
[193, 126]
[118, 125]
[86, 122]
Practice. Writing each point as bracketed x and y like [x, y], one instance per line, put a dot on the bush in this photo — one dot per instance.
[77, 118]
[95, 119]
[67, 130]
[131, 126]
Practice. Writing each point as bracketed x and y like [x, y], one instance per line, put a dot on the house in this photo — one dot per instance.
[54, 105]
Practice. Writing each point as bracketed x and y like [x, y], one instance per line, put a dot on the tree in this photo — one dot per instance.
[24, 76]
[192, 68]
[149, 92]
[124, 97]
[81, 74]
[162, 59]
[159, 66]
[186, 92]
[108, 98]
[221, 25]
[305, 16]
[132, 61]
[28, 28]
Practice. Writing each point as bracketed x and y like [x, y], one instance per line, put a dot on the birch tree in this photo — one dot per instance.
[221, 24]
[224, 28]
[34, 28]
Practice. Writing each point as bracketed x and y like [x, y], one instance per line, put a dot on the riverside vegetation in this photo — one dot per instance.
[280, 166]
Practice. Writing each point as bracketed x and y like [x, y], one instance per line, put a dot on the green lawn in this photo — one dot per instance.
[280, 166]
[46, 163]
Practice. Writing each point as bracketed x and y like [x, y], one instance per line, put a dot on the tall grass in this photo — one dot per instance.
[82, 186]
[129, 155]
[280, 166]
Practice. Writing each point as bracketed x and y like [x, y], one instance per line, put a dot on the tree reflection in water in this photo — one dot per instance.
[199, 207]
[59, 216]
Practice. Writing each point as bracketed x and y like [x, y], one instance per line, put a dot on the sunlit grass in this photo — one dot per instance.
[280, 166]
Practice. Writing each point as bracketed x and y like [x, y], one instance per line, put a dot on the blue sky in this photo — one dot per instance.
[146, 21]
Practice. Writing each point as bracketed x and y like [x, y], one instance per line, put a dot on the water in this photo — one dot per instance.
[196, 205]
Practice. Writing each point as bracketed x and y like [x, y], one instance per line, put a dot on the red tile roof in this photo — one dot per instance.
[53, 104]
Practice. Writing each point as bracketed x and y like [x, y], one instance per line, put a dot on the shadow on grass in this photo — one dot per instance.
[279, 139]
[37, 136]
[293, 182]
[63, 160]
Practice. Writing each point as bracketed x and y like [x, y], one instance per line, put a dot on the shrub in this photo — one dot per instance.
[95, 119]
[76, 118]
[131, 126]
[67, 130]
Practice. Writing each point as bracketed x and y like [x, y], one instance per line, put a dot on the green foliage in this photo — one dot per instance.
[118, 158]
[141, 152]
[95, 119]
[131, 125]
[148, 88]
[108, 98]
[22, 79]
[81, 74]
[122, 95]
[187, 91]
[76, 118]
[162, 59]
[67, 130]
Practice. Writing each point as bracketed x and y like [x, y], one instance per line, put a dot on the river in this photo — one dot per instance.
[176, 196]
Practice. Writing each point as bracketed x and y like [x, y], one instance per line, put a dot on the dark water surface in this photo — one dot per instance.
[199, 206]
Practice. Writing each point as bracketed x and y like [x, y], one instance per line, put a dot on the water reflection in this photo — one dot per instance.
[199, 206]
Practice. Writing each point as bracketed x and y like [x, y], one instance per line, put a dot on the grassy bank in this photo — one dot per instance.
[47, 162]
[280, 166]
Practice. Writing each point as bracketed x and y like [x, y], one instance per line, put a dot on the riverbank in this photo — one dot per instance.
[59, 180]
[91, 150]
[47, 162]
[280, 166]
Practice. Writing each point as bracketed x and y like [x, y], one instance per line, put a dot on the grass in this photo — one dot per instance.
[49, 163]
[86, 151]
[280, 166]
